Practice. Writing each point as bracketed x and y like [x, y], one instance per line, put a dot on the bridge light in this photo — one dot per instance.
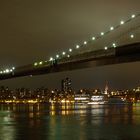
[13, 68]
[4, 71]
[114, 45]
[35, 64]
[102, 33]
[1, 72]
[111, 28]
[133, 16]
[70, 50]
[93, 38]
[77, 46]
[51, 58]
[63, 53]
[132, 36]
[105, 48]
[68, 55]
[40, 63]
[85, 42]
[7, 70]
[122, 22]
[57, 56]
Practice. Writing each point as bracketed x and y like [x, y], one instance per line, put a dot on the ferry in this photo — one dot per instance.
[81, 98]
[98, 99]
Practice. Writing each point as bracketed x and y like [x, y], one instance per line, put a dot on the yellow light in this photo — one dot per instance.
[133, 16]
[102, 33]
[63, 53]
[62, 101]
[57, 56]
[35, 64]
[105, 48]
[51, 59]
[132, 36]
[114, 45]
[70, 50]
[85, 42]
[111, 28]
[40, 63]
[93, 38]
[77, 46]
[7, 70]
[122, 22]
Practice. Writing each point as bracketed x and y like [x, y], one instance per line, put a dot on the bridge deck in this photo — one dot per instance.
[122, 54]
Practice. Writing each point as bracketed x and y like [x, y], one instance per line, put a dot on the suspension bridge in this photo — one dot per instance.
[119, 44]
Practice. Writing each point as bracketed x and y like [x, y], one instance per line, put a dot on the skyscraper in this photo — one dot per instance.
[106, 88]
[66, 85]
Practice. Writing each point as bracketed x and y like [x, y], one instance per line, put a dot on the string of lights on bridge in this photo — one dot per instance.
[67, 53]
[7, 70]
[70, 50]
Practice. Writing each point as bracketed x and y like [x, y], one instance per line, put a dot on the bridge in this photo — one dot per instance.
[121, 44]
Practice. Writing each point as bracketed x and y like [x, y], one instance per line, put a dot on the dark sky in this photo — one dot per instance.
[32, 30]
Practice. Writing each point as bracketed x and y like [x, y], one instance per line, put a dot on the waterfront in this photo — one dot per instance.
[54, 122]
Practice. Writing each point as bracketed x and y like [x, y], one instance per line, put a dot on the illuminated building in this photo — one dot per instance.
[97, 99]
[81, 98]
[66, 85]
[106, 88]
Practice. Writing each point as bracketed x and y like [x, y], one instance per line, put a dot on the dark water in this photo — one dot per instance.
[73, 122]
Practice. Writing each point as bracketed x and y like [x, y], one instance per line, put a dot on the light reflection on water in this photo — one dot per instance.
[69, 122]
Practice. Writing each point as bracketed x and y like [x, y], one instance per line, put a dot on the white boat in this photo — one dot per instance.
[97, 99]
[96, 103]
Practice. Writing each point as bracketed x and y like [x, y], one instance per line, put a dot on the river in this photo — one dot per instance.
[69, 122]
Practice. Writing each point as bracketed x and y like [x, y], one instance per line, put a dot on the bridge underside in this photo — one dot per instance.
[133, 55]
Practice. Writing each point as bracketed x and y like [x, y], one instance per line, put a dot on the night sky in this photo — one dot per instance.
[34, 30]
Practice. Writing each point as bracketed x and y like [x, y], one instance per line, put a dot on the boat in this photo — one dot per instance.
[98, 99]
